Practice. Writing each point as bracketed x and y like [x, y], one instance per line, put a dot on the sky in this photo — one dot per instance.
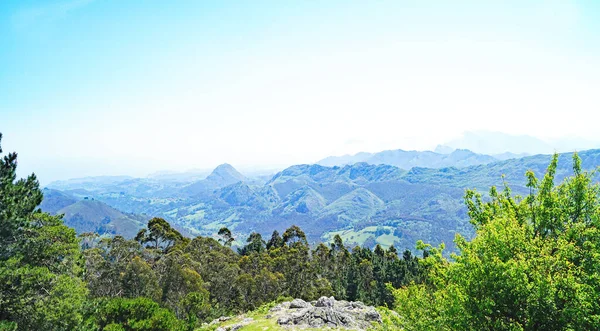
[130, 87]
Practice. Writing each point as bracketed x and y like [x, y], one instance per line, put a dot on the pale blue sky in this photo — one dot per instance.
[92, 87]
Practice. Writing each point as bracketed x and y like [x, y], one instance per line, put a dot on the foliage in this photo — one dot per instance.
[8, 326]
[532, 265]
[159, 235]
[226, 236]
[131, 314]
[40, 284]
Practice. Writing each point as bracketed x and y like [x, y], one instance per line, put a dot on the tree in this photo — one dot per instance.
[18, 201]
[218, 267]
[257, 283]
[160, 235]
[292, 260]
[294, 236]
[139, 280]
[226, 236]
[340, 268]
[182, 286]
[255, 245]
[40, 284]
[107, 263]
[276, 241]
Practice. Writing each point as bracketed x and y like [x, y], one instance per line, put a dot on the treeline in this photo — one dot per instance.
[160, 280]
[203, 278]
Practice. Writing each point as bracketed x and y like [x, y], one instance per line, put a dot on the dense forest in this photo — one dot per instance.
[534, 264]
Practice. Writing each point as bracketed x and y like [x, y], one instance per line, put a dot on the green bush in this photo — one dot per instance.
[132, 314]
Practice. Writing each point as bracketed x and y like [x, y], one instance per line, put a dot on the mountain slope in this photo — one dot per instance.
[357, 205]
[95, 216]
[304, 200]
[55, 200]
[513, 170]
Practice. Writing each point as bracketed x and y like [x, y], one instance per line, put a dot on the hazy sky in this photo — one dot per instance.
[131, 87]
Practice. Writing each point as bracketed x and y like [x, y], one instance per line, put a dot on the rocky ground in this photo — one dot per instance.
[323, 314]
[326, 312]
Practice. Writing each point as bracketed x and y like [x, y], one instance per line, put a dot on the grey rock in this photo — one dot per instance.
[325, 302]
[358, 305]
[327, 312]
[373, 315]
[280, 307]
[299, 303]
[284, 320]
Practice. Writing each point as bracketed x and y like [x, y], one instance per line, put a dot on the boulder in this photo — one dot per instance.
[325, 302]
[299, 303]
[326, 312]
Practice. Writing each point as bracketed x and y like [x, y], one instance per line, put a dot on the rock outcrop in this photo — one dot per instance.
[325, 312]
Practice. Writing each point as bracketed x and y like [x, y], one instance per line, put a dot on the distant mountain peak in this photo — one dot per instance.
[443, 149]
[224, 166]
[226, 171]
[224, 175]
[463, 152]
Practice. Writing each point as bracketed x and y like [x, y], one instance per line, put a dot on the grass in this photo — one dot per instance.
[359, 237]
[386, 240]
[197, 216]
[172, 212]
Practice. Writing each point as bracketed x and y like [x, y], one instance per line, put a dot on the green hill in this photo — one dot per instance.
[96, 216]
[55, 200]
[360, 204]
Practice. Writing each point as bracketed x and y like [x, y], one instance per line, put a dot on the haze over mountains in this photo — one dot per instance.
[392, 197]
[409, 159]
[471, 148]
[498, 143]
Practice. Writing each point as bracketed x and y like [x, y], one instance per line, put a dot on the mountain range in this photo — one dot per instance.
[364, 203]
[409, 159]
[471, 148]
